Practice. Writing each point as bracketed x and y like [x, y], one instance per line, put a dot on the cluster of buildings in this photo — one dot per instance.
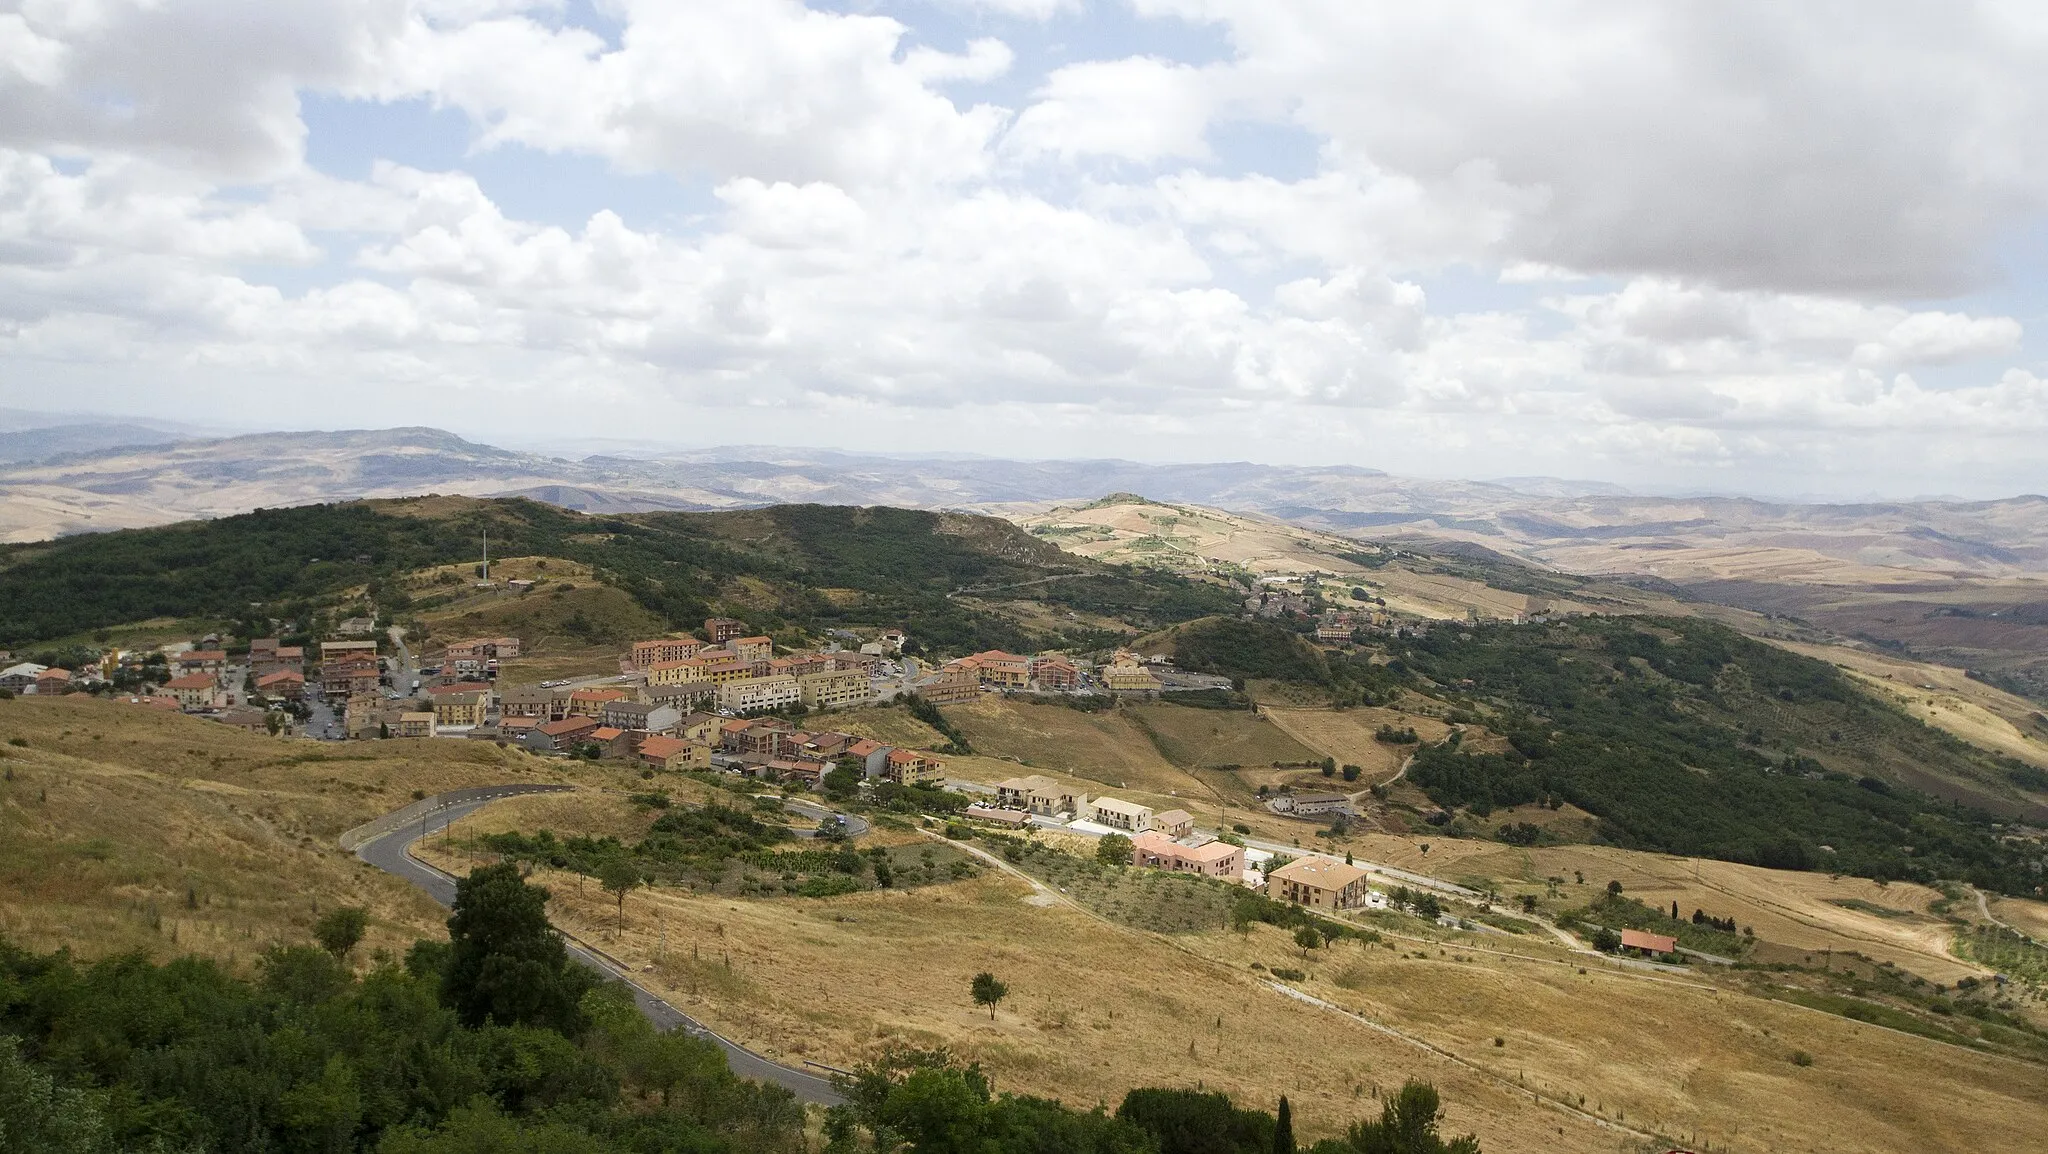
[1168, 840]
[27, 677]
[1159, 840]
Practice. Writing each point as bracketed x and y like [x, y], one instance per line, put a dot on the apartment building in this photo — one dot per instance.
[740, 695]
[834, 689]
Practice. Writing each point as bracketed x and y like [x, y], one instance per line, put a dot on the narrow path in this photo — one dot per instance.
[1984, 908]
[392, 853]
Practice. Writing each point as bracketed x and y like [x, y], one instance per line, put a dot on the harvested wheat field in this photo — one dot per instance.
[1944, 697]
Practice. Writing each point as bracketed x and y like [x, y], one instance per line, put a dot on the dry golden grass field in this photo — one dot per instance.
[125, 828]
[1347, 735]
[1104, 748]
[1097, 1008]
[889, 726]
[1800, 910]
[1191, 737]
[1944, 697]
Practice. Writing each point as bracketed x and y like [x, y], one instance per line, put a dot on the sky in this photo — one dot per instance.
[1731, 246]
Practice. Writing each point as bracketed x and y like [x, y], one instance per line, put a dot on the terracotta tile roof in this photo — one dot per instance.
[658, 746]
[1644, 940]
[566, 725]
[1320, 872]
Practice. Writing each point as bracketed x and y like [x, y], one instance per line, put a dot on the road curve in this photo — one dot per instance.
[390, 852]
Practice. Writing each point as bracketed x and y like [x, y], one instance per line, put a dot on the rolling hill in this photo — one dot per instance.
[803, 567]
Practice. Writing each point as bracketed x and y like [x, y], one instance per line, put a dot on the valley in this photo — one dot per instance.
[1473, 727]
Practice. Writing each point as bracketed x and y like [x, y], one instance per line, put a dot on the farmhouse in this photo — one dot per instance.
[1645, 942]
[1311, 804]
[1318, 882]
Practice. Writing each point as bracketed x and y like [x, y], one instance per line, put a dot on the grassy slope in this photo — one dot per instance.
[114, 814]
[1104, 748]
[1214, 737]
[835, 980]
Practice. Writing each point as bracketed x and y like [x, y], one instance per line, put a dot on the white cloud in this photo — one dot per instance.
[1023, 9]
[768, 89]
[1858, 148]
[1714, 239]
[1140, 109]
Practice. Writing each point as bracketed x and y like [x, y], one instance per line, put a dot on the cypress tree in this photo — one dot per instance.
[1283, 1129]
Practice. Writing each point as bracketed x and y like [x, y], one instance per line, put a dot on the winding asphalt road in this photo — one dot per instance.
[388, 852]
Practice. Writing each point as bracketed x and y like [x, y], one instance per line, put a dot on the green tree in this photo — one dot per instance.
[988, 991]
[1113, 850]
[1308, 939]
[1408, 1125]
[339, 930]
[37, 1116]
[842, 781]
[1606, 940]
[505, 962]
[618, 875]
[1283, 1128]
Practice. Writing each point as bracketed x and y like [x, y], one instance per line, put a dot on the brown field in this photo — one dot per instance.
[1347, 736]
[1097, 1008]
[1192, 737]
[1104, 748]
[1794, 909]
[889, 726]
[123, 829]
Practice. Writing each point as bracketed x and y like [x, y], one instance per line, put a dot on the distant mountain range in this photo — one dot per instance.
[85, 478]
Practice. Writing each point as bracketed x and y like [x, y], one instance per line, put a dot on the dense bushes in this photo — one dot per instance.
[126, 1055]
[938, 1106]
[1248, 650]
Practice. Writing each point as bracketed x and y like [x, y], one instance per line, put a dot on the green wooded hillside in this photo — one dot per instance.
[771, 567]
[1686, 737]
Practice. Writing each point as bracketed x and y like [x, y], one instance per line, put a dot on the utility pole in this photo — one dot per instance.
[487, 554]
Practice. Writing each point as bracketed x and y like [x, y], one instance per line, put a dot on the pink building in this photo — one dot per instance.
[1218, 859]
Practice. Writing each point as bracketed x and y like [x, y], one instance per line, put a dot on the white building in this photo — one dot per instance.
[1125, 816]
